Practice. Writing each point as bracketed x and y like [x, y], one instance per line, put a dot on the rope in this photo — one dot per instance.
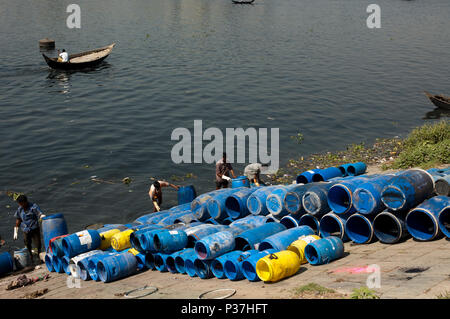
[233, 291]
[127, 294]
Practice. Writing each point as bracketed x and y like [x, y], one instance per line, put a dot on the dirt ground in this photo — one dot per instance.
[410, 269]
[407, 270]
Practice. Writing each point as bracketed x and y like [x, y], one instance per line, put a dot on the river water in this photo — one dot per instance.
[309, 67]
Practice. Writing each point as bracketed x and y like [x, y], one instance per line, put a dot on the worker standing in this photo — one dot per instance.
[27, 217]
[223, 170]
[155, 193]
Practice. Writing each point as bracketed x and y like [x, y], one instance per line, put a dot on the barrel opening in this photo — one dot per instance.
[301, 179]
[92, 269]
[101, 271]
[311, 254]
[134, 241]
[201, 269]
[170, 264]
[444, 221]
[66, 248]
[226, 221]
[442, 187]
[292, 202]
[289, 222]
[339, 199]
[48, 262]
[359, 229]
[317, 178]
[248, 270]
[393, 197]
[143, 242]
[343, 171]
[201, 250]
[263, 270]
[386, 228]
[233, 207]
[217, 269]
[230, 270]
[190, 268]
[191, 241]
[311, 221]
[179, 264]
[242, 244]
[420, 225]
[351, 171]
[330, 226]
[265, 245]
[65, 263]
[271, 219]
[159, 262]
[84, 274]
[157, 242]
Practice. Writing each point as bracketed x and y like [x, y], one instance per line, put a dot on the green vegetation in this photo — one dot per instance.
[444, 295]
[427, 146]
[364, 293]
[298, 138]
[313, 288]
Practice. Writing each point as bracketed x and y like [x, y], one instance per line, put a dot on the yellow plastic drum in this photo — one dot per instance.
[299, 245]
[121, 241]
[106, 238]
[275, 267]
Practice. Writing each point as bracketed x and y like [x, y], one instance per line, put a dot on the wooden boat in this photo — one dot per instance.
[81, 60]
[440, 101]
[243, 1]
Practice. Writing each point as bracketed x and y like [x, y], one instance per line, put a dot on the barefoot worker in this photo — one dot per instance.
[223, 170]
[28, 216]
[253, 172]
[155, 193]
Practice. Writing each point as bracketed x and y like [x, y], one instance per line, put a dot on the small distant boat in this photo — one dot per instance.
[243, 1]
[81, 60]
[440, 101]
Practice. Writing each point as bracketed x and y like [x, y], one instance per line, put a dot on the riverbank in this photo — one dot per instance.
[408, 270]
[425, 147]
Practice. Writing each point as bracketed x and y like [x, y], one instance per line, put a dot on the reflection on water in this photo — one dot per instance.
[437, 113]
[62, 78]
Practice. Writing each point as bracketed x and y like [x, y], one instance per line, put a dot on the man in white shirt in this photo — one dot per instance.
[155, 193]
[63, 56]
[253, 172]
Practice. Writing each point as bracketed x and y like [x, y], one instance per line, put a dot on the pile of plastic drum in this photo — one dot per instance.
[261, 233]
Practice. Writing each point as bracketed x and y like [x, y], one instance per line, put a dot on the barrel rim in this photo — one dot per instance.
[396, 220]
[367, 221]
[53, 216]
[444, 230]
[429, 214]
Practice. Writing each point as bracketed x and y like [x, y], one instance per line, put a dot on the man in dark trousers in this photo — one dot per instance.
[223, 170]
[27, 217]
[155, 193]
